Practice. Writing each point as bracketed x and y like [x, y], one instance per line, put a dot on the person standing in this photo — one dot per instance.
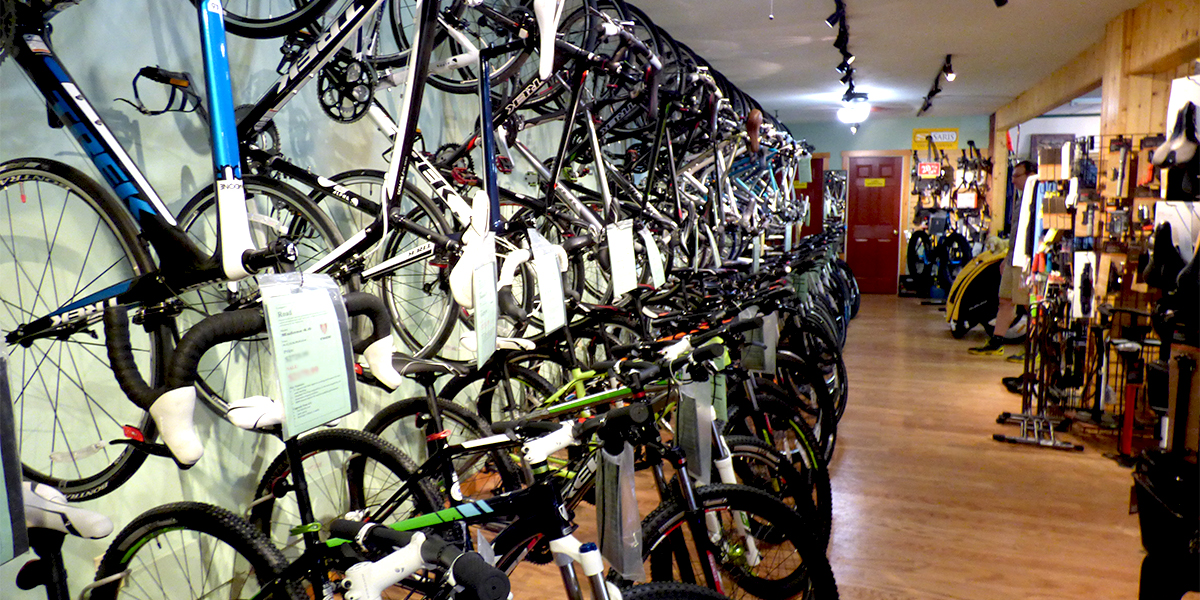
[1013, 291]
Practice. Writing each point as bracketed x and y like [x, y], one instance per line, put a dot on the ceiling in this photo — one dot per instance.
[787, 63]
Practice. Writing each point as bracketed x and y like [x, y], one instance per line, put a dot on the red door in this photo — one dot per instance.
[873, 222]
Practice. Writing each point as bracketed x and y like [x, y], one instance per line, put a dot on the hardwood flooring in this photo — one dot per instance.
[927, 505]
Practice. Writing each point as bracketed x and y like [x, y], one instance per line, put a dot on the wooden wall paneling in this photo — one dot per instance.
[1077, 77]
[1166, 33]
[1115, 86]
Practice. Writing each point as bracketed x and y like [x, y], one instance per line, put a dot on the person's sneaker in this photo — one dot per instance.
[994, 347]
[1015, 358]
[1012, 384]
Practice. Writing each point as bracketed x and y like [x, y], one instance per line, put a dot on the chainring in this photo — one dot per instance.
[345, 89]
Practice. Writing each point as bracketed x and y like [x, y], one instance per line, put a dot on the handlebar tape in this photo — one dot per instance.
[372, 307]
[509, 306]
[216, 329]
[120, 355]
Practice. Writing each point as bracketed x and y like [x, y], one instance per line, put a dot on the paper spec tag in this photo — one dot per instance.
[549, 280]
[309, 331]
[621, 257]
[787, 237]
[483, 282]
[756, 254]
[771, 340]
[657, 276]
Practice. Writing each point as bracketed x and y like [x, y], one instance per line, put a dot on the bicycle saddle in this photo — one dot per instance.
[1165, 262]
[46, 507]
[753, 125]
[1181, 146]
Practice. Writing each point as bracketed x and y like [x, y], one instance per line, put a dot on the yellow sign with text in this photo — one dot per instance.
[874, 182]
[943, 138]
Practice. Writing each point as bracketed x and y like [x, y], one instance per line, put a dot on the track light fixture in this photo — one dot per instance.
[843, 67]
[948, 69]
[854, 129]
[1000, 3]
[843, 38]
[838, 15]
[848, 77]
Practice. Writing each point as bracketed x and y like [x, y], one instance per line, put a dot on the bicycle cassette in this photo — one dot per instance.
[345, 89]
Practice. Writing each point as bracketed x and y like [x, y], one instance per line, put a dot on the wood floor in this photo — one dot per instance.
[927, 506]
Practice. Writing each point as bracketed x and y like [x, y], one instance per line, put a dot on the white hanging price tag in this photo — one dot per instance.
[549, 281]
[486, 306]
[657, 276]
[787, 237]
[771, 341]
[621, 257]
[308, 329]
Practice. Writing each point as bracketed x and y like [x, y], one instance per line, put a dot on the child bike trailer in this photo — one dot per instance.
[973, 296]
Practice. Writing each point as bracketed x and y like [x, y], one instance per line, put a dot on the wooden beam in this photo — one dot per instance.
[1076, 78]
[1166, 33]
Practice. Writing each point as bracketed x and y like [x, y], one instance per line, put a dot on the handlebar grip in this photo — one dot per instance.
[702, 354]
[377, 534]
[120, 355]
[213, 330]
[479, 578]
[372, 307]
[509, 306]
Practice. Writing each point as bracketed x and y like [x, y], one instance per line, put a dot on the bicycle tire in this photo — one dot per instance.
[780, 423]
[758, 465]
[669, 590]
[301, 15]
[197, 537]
[402, 424]
[275, 210]
[337, 473]
[84, 407]
[953, 255]
[800, 384]
[920, 257]
[852, 283]
[799, 569]
[812, 343]
[523, 388]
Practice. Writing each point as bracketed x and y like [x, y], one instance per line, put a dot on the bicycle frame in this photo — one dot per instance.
[181, 264]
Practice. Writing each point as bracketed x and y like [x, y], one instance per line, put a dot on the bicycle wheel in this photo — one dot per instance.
[803, 387]
[244, 368]
[669, 590]
[65, 238]
[260, 20]
[347, 472]
[779, 423]
[761, 548]
[502, 390]
[806, 490]
[955, 253]
[191, 550]
[920, 256]
[810, 343]
[480, 476]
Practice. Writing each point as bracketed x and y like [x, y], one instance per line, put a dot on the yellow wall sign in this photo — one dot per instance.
[800, 185]
[874, 182]
[944, 138]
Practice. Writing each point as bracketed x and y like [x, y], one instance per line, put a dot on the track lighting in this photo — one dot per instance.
[843, 38]
[848, 77]
[843, 67]
[1000, 3]
[948, 69]
[836, 17]
[854, 129]
[846, 56]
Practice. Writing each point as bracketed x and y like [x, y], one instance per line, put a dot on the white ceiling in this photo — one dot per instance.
[787, 64]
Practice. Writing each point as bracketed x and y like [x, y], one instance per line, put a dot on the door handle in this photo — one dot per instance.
[862, 239]
[895, 232]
